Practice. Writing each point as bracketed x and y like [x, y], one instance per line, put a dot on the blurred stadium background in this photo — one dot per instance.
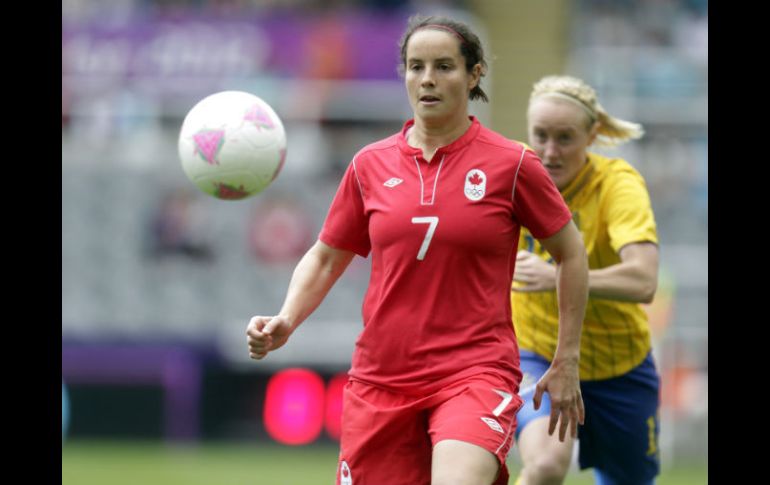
[159, 281]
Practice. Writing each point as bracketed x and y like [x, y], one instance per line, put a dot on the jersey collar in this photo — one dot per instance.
[580, 180]
[467, 137]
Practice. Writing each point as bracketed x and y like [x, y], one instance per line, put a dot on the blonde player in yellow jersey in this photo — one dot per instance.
[619, 382]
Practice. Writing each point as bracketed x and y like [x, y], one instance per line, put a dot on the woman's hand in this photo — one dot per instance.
[534, 273]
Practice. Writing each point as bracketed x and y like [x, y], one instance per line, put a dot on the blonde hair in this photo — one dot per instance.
[612, 131]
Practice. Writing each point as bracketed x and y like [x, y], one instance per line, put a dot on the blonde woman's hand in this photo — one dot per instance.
[533, 274]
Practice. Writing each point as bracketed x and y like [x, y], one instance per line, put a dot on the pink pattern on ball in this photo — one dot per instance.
[259, 117]
[208, 143]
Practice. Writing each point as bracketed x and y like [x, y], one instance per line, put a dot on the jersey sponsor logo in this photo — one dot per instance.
[392, 182]
[493, 424]
[475, 184]
[346, 478]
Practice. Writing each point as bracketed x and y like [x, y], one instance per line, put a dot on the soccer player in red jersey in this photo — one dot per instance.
[432, 396]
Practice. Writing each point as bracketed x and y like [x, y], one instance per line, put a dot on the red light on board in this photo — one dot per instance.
[294, 403]
[333, 417]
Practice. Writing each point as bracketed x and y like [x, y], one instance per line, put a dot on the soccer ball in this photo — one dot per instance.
[232, 145]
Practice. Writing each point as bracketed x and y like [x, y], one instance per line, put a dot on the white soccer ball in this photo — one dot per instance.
[232, 145]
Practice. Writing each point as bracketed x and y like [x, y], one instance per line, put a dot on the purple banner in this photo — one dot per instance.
[339, 46]
[174, 368]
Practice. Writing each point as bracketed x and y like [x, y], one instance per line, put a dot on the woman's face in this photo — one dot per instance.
[559, 132]
[437, 81]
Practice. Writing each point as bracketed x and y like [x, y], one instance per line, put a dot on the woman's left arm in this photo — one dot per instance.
[634, 279]
[561, 380]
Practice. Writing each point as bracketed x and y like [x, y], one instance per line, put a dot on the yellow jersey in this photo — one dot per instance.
[611, 207]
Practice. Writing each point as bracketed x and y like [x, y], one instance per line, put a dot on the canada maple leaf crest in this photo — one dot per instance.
[475, 184]
[475, 179]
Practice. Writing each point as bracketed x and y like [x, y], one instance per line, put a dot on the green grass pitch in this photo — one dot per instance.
[132, 463]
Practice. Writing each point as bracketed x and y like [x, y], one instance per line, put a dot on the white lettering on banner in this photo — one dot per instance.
[192, 49]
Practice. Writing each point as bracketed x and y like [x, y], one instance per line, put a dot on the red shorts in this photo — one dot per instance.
[388, 438]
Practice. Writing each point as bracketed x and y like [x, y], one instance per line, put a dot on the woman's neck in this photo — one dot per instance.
[430, 137]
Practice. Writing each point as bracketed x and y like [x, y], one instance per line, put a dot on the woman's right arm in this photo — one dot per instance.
[313, 277]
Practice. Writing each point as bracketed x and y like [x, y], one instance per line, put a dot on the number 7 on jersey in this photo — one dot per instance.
[433, 221]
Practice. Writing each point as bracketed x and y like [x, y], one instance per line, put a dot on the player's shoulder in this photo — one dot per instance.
[616, 176]
[494, 141]
[614, 169]
[377, 147]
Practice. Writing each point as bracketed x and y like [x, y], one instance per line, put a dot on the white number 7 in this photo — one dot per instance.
[433, 221]
[507, 397]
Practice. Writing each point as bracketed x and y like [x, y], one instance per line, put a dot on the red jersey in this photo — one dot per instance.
[443, 237]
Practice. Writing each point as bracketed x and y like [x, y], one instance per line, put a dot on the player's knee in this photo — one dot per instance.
[545, 470]
[462, 476]
[446, 481]
[454, 481]
[460, 463]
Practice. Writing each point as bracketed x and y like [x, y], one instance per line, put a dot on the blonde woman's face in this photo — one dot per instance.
[558, 131]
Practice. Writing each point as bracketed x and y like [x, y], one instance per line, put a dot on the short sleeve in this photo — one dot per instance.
[628, 211]
[537, 203]
[347, 225]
